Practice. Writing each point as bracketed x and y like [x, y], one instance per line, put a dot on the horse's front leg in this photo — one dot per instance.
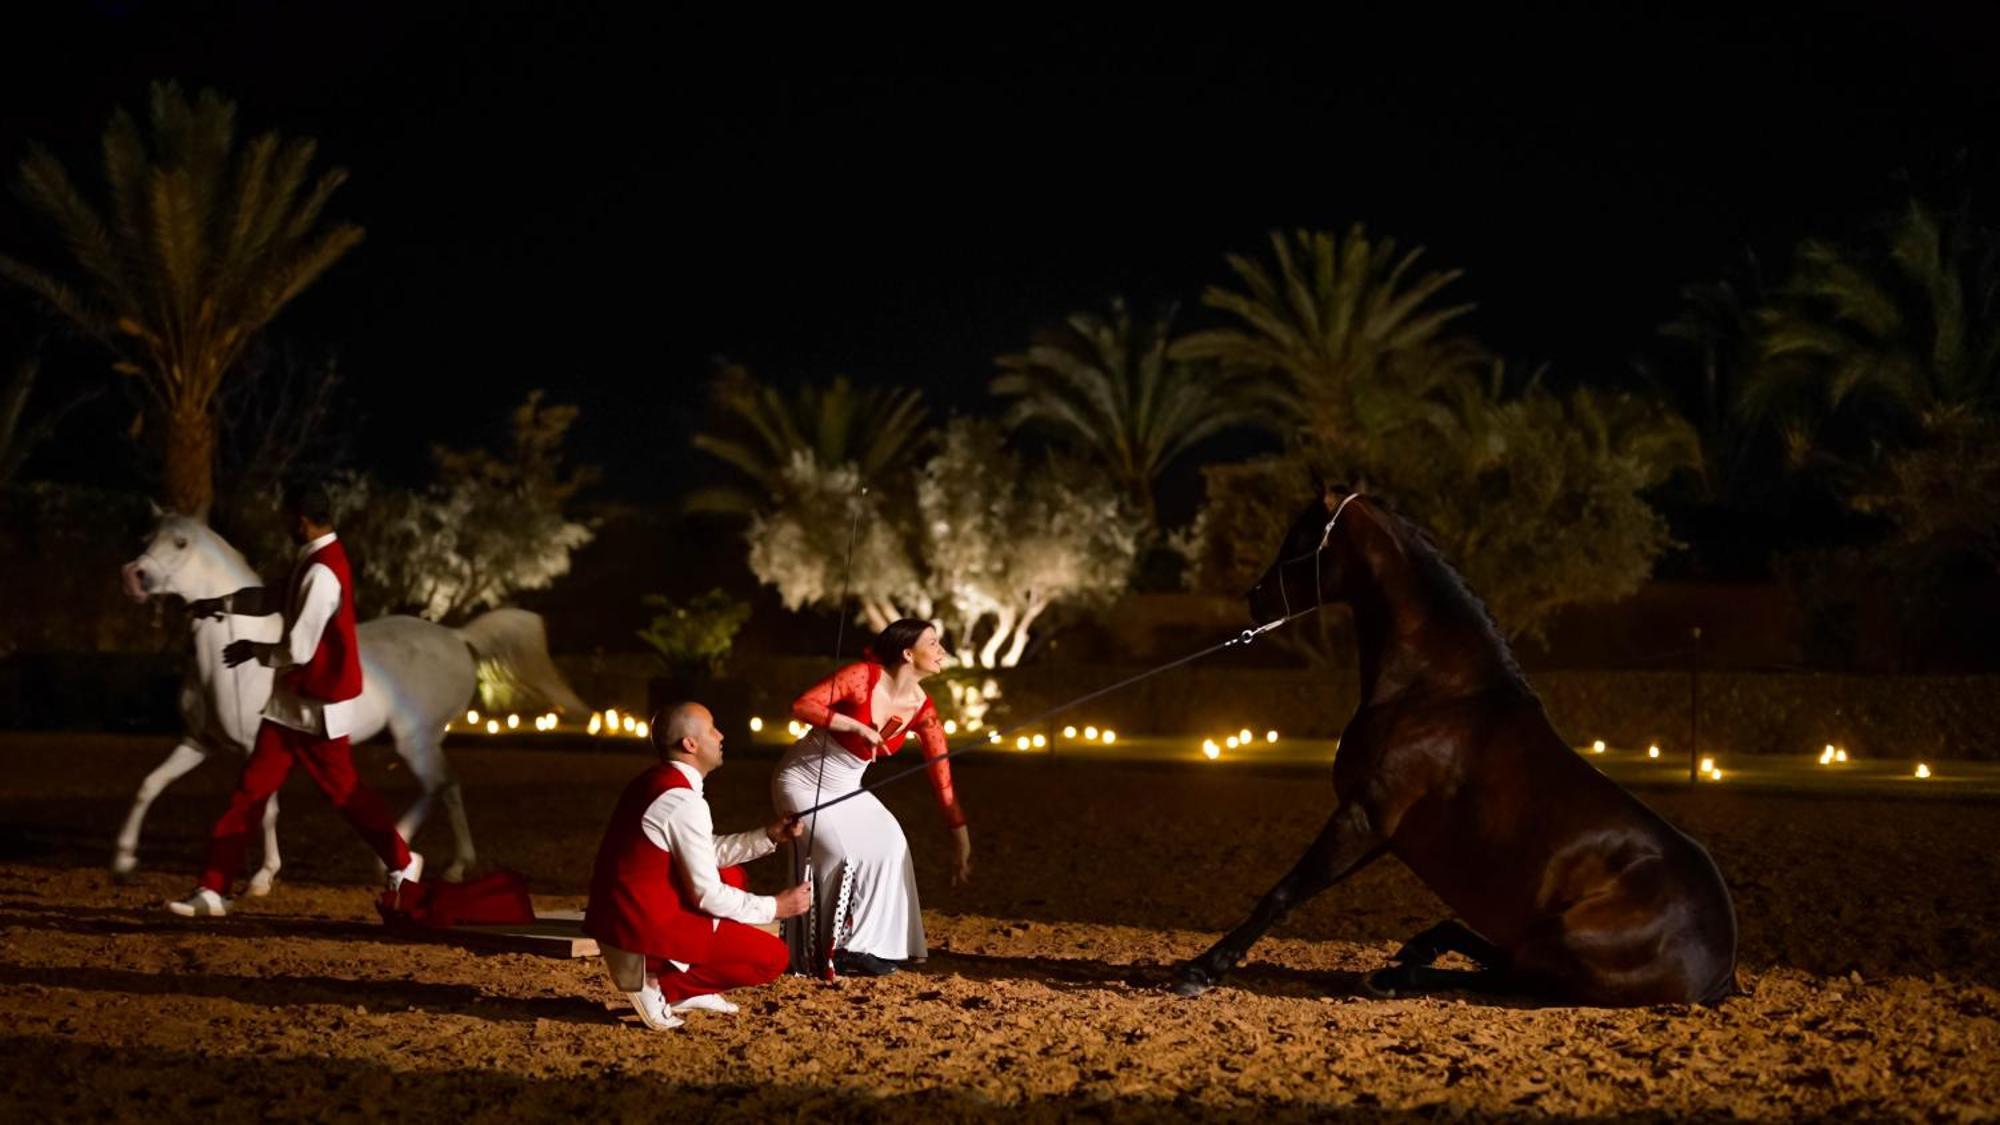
[183, 758]
[1347, 843]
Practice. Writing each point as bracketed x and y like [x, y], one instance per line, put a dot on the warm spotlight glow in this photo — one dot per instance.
[756, 724]
[628, 722]
[1022, 743]
[611, 717]
[596, 723]
[1210, 750]
[1110, 736]
[1090, 733]
[974, 724]
[1233, 742]
[1826, 756]
[1840, 755]
[492, 726]
[1923, 771]
[1243, 736]
[951, 726]
[513, 721]
[1069, 732]
[472, 717]
[1270, 736]
[1040, 741]
[1715, 775]
[1652, 751]
[993, 736]
[1597, 747]
[1707, 765]
[642, 730]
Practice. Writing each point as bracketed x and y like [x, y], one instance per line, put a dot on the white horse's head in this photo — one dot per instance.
[184, 557]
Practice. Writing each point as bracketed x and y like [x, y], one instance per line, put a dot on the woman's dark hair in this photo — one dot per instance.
[890, 643]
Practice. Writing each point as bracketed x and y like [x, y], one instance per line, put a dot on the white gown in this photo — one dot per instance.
[858, 847]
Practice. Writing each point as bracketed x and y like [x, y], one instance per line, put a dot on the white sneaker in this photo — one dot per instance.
[414, 873]
[707, 1002]
[652, 1009]
[203, 903]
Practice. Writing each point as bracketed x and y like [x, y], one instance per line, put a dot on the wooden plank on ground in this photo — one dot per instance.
[553, 933]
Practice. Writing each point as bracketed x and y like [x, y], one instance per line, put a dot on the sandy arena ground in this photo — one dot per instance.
[1868, 952]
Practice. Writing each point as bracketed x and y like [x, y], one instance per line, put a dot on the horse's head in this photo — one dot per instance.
[183, 557]
[1308, 570]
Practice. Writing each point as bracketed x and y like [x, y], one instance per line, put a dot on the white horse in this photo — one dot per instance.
[416, 676]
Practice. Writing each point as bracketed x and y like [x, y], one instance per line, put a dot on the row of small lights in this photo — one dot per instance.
[1241, 739]
[1830, 756]
[608, 722]
[1105, 737]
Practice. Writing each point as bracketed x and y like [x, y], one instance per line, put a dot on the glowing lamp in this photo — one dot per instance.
[1923, 771]
[1090, 733]
[1210, 750]
[642, 730]
[756, 724]
[1069, 732]
[611, 717]
[1597, 747]
[951, 726]
[596, 723]
[1040, 741]
[993, 736]
[492, 727]
[513, 721]
[1652, 751]
[1826, 756]
[472, 717]
[1110, 736]
[1243, 736]
[1708, 765]
[1022, 743]
[1270, 736]
[1840, 755]
[973, 724]
[1233, 742]
[1715, 775]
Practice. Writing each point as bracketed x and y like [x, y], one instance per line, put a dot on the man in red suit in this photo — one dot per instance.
[667, 901]
[311, 709]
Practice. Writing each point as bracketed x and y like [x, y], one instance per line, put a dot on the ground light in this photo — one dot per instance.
[1923, 771]
[756, 724]
[1270, 736]
[1210, 750]
[1597, 747]
[1653, 751]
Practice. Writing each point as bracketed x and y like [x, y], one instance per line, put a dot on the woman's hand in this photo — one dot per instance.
[856, 726]
[961, 860]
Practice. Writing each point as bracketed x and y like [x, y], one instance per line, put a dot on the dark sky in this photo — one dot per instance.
[595, 199]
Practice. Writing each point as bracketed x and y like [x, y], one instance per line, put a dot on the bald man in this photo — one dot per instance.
[667, 901]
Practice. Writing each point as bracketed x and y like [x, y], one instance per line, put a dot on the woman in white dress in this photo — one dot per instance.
[868, 919]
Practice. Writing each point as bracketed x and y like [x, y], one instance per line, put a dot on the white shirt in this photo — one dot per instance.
[318, 598]
[679, 821]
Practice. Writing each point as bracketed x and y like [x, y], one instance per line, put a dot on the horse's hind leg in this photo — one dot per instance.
[1347, 843]
[260, 883]
[1449, 936]
[425, 755]
[179, 761]
[454, 805]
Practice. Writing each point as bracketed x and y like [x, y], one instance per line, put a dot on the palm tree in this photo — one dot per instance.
[878, 430]
[1107, 387]
[1867, 350]
[197, 245]
[18, 435]
[1330, 314]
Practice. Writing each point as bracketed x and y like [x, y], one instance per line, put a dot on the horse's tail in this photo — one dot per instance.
[512, 646]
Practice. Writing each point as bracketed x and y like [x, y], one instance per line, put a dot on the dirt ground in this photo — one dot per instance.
[1867, 950]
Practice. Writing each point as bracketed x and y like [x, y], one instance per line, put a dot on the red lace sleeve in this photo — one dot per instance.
[818, 703]
[930, 734]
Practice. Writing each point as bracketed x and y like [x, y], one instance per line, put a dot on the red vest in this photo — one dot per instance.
[638, 902]
[334, 672]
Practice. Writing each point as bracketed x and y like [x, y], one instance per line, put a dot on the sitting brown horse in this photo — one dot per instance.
[1571, 891]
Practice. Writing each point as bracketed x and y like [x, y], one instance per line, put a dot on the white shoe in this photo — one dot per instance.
[203, 903]
[707, 1002]
[414, 873]
[652, 1009]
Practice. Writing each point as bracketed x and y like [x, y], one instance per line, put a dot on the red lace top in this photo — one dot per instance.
[851, 692]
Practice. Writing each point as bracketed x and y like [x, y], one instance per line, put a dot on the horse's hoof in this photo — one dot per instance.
[1382, 984]
[1192, 982]
[260, 885]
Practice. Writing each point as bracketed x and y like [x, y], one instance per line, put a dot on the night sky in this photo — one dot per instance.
[599, 203]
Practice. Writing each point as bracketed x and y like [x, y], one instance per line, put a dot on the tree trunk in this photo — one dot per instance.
[190, 459]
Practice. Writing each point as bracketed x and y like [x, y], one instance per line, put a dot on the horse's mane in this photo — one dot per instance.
[1445, 582]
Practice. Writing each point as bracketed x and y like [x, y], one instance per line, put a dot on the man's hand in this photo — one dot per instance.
[207, 607]
[795, 901]
[237, 652]
[790, 828]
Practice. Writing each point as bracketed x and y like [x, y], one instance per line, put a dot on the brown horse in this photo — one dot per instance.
[1571, 891]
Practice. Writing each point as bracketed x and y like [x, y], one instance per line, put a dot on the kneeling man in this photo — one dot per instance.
[667, 904]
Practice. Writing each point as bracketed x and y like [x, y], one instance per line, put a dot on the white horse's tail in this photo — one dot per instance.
[512, 646]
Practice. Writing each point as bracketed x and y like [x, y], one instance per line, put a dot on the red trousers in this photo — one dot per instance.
[330, 763]
[739, 956]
